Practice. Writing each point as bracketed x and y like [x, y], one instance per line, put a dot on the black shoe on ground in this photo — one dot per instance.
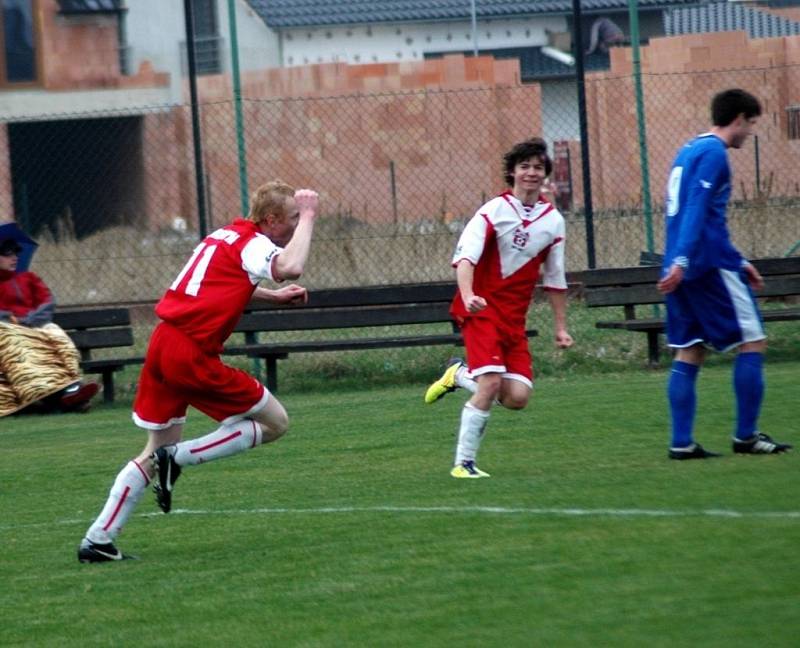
[759, 443]
[167, 473]
[694, 451]
[91, 552]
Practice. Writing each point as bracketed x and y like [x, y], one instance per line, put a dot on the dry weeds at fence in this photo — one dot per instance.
[124, 264]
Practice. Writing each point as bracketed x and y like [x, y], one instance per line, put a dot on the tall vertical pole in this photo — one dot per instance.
[474, 17]
[198, 146]
[244, 197]
[577, 49]
[633, 19]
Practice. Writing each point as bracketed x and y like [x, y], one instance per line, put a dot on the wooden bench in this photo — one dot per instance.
[351, 309]
[100, 328]
[636, 286]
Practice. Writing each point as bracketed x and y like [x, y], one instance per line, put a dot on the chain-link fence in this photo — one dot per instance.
[112, 198]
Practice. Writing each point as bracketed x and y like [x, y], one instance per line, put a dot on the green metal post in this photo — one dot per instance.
[244, 194]
[237, 102]
[633, 18]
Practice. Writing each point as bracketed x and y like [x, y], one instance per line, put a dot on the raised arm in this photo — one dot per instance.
[291, 262]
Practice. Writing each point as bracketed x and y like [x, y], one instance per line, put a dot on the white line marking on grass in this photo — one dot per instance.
[451, 510]
[492, 510]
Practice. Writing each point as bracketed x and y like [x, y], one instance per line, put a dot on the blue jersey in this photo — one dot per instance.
[697, 193]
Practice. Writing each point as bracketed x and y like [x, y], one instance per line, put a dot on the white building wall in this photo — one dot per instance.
[410, 41]
[156, 32]
[258, 44]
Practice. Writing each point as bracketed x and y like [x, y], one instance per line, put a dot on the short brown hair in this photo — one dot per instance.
[727, 105]
[269, 198]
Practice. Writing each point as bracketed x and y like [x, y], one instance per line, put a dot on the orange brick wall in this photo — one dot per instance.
[341, 135]
[83, 53]
[339, 131]
[677, 108]
[76, 53]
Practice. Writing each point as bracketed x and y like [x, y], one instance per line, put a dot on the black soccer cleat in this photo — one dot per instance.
[167, 473]
[92, 552]
[694, 451]
[759, 443]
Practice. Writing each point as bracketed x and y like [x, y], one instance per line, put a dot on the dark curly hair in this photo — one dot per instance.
[535, 147]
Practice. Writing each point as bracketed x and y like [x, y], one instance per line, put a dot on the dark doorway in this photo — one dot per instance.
[77, 176]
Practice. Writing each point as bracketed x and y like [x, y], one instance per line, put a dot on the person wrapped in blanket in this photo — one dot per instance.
[39, 364]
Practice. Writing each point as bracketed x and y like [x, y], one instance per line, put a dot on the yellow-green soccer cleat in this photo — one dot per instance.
[445, 384]
[468, 470]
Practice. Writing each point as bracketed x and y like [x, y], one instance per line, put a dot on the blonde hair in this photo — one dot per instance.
[269, 198]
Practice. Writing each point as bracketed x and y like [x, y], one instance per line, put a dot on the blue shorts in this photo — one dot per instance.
[717, 308]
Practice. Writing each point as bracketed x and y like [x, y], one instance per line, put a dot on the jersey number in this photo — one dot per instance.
[205, 252]
[673, 191]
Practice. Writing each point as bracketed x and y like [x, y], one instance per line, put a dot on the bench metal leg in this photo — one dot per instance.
[272, 373]
[652, 347]
[108, 386]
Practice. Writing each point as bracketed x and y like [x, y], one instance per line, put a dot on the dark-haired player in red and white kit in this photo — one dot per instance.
[498, 259]
[182, 367]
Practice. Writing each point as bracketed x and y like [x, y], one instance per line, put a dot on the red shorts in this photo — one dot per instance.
[178, 373]
[493, 347]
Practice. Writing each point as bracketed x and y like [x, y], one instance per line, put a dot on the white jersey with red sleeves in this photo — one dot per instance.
[209, 295]
[508, 242]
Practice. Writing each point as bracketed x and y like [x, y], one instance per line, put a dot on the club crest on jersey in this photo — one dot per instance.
[520, 240]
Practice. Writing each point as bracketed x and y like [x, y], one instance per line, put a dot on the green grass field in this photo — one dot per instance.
[350, 532]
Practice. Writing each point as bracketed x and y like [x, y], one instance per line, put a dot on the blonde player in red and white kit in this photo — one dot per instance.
[182, 366]
[499, 257]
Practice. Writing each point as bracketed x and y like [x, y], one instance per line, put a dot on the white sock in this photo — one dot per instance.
[123, 498]
[465, 380]
[225, 441]
[470, 434]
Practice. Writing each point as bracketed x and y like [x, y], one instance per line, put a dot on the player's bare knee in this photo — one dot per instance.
[759, 346]
[274, 430]
[514, 401]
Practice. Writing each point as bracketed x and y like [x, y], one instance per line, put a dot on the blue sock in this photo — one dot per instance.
[682, 401]
[748, 384]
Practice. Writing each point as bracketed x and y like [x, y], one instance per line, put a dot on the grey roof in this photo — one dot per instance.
[728, 16]
[310, 13]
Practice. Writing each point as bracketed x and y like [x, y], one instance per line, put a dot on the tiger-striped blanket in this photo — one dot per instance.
[34, 363]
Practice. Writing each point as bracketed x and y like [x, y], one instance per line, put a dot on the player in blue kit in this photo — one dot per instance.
[707, 282]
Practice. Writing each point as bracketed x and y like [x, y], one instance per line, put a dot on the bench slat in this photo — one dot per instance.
[367, 296]
[640, 294]
[620, 276]
[92, 318]
[634, 325]
[778, 265]
[780, 286]
[310, 319]
[282, 348]
[774, 286]
[655, 324]
[110, 363]
[102, 338]
[769, 267]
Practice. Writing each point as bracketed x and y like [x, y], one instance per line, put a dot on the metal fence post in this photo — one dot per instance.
[633, 15]
[198, 146]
